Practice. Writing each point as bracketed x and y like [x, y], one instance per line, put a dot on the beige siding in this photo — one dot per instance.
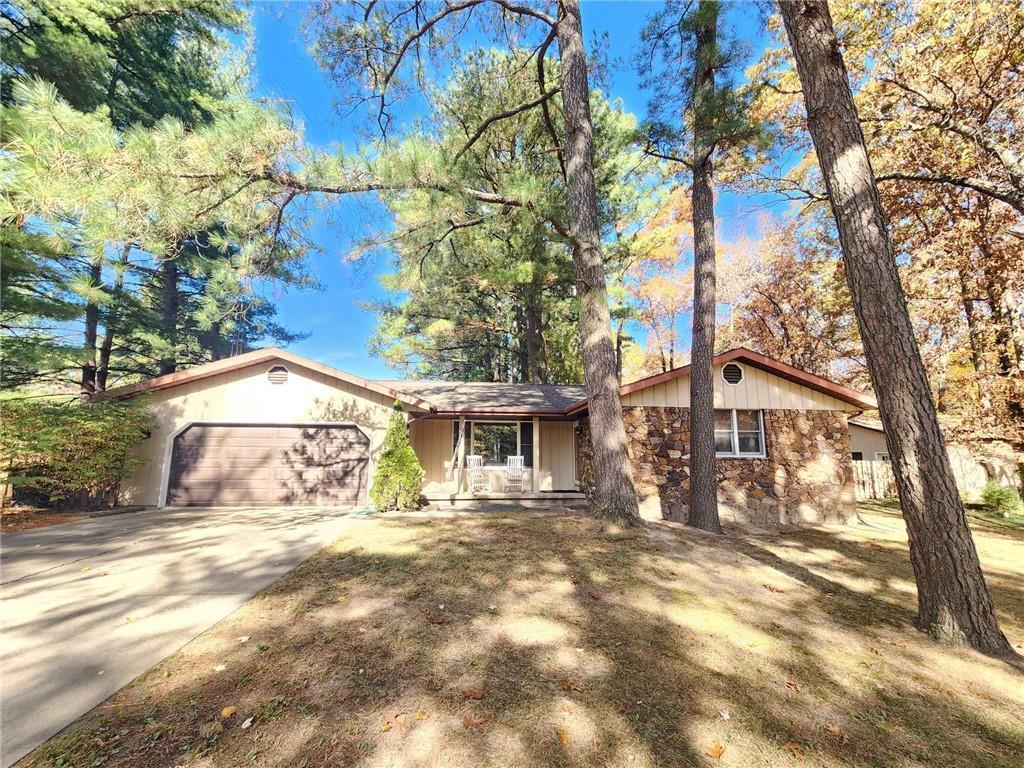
[758, 390]
[432, 441]
[557, 456]
[867, 441]
[245, 396]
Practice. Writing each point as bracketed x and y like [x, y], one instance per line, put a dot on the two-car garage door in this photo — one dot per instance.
[233, 464]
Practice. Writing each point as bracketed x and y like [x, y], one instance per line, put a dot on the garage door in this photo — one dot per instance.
[231, 464]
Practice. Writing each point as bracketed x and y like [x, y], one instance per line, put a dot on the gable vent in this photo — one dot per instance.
[732, 373]
[277, 375]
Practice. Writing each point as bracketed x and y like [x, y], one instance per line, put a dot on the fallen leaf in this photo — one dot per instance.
[433, 618]
[792, 685]
[421, 715]
[473, 721]
[246, 723]
[570, 686]
[838, 732]
[770, 588]
[563, 736]
[793, 748]
[980, 694]
[474, 693]
[715, 751]
[87, 568]
[227, 712]
[343, 599]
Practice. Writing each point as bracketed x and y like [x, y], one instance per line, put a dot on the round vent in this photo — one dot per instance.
[277, 375]
[732, 373]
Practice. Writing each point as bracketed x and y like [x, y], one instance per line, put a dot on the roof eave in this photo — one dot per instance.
[249, 359]
[776, 367]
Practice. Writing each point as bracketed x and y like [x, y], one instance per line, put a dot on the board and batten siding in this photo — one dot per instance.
[432, 441]
[245, 396]
[758, 390]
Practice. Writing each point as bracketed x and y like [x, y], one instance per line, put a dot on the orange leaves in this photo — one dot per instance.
[473, 720]
[837, 732]
[475, 693]
[563, 737]
[570, 686]
[770, 588]
[794, 749]
[715, 751]
[227, 712]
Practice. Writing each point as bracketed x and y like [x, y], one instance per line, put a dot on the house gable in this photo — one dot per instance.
[765, 384]
[263, 358]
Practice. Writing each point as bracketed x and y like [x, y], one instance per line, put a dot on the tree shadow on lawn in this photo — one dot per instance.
[519, 640]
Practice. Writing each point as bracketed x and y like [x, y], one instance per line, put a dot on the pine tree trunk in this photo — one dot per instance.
[614, 493]
[703, 485]
[92, 322]
[169, 315]
[110, 322]
[953, 600]
[534, 337]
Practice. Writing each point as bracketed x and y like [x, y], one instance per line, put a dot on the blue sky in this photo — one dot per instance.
[338, 326]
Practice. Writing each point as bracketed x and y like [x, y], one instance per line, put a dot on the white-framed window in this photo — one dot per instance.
[495, 441]
[881, 456]
[739, 434]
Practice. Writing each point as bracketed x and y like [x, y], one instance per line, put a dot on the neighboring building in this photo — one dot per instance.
[271, 427]
[973, 465]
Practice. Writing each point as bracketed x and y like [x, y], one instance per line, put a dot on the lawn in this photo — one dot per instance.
[524, 640]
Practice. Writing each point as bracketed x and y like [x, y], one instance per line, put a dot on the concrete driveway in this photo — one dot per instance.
[88, 606]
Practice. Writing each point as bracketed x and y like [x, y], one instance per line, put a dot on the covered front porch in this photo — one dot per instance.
[547, 447]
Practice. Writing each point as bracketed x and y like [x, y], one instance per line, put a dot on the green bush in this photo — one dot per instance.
[1000, 499]
[399, 476]
[72, 452]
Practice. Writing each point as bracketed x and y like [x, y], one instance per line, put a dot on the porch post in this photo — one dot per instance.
[535, 470]
[461, 442]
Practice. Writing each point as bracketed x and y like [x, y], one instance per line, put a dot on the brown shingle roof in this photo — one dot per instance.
[488, 398]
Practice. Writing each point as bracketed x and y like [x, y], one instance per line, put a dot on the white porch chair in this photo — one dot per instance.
[478, 479]
[514, 474]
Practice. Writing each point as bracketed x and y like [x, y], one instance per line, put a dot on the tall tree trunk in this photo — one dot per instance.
[953, 600]
[534, 333]
[110, 321]
[703, 485]
[92, 322]
[169, 315]
[977, 342]
[614, 493]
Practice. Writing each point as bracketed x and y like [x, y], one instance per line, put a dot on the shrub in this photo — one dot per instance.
[398, 477]
[72, 452]
[1000, 499]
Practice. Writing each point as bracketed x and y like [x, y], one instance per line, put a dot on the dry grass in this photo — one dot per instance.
[534, 641]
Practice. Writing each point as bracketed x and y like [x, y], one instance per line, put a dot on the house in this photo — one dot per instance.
[272, 427]
[973, 465]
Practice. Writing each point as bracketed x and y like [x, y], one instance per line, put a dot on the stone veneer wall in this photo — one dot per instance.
[806, 476]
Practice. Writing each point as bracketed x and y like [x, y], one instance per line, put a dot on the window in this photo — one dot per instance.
[857, 456]
[739, 433]
[495, 441]
[881, 456]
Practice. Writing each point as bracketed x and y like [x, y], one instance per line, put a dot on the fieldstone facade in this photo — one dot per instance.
[805, 477]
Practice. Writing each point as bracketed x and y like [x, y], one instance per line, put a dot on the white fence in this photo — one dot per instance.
[873, 480]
